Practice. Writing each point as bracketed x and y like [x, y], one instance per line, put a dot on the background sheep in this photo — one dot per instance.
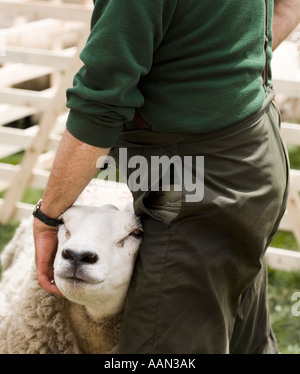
[93, 267]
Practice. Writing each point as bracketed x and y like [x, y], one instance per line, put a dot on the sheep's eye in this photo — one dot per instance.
[137, 233]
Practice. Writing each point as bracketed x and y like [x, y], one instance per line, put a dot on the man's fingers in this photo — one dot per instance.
[45, 273]
[48, 283]
[45, 239]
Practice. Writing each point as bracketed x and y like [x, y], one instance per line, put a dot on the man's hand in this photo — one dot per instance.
[45, 238]
[74, 166]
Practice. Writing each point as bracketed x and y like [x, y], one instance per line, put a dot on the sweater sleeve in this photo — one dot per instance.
[118, 53]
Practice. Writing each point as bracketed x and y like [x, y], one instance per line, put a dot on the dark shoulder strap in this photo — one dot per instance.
[266, 73]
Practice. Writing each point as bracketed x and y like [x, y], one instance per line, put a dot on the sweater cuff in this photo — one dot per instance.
[94, 134]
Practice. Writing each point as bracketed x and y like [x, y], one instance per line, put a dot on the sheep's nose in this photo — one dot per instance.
[77, 257]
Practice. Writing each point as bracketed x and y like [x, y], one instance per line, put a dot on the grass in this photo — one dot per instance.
[14, 159]
[7, 231]
[285, 240]
[294, 155]
[282, 286]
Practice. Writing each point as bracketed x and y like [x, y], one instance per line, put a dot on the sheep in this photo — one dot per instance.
[97, 247]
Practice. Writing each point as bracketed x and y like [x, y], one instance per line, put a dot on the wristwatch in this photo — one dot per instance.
[45, 219]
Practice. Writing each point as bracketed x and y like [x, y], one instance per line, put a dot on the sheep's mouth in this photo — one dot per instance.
[81, 279]
[78, 276]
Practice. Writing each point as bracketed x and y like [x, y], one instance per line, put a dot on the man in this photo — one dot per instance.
[194, 71]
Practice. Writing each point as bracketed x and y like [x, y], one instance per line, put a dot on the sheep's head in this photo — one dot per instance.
[95, 257]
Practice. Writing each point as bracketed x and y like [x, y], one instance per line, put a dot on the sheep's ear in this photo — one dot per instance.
[129, 208]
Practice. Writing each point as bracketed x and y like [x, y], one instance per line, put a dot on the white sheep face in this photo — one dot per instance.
[95, 257]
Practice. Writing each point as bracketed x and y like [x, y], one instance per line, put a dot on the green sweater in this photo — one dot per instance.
[187, 65]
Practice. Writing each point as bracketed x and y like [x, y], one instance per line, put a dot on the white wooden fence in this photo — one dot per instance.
[43, 39]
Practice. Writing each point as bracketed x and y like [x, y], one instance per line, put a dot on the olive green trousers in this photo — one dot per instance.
[200, 280]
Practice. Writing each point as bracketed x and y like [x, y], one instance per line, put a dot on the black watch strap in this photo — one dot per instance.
[45, 219]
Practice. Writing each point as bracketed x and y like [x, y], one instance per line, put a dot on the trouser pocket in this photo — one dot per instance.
[152, 176]
[164, 204]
